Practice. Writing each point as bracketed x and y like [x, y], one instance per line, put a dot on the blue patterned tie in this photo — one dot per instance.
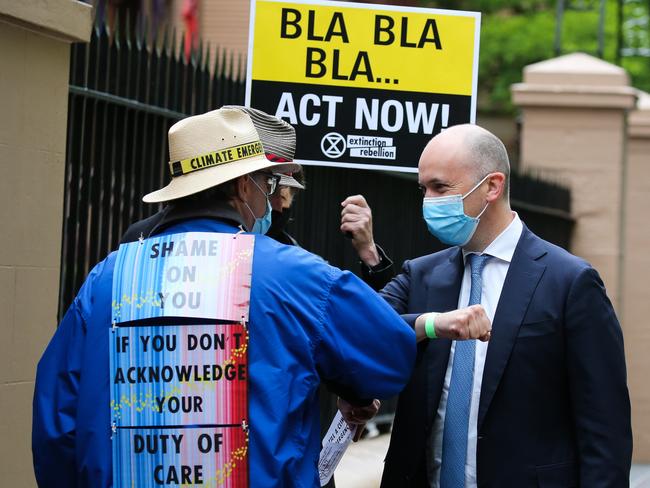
[454, 438]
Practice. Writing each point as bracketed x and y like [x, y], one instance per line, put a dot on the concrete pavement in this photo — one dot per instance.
[363, 463]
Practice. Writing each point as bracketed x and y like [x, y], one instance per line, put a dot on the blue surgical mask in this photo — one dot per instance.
[446, 218]
[262, 224]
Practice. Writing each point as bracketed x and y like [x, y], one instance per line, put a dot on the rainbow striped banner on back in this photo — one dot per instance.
[179, 362]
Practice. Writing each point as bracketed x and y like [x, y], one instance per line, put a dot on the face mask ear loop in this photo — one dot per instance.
[478, 217]
[476, 186]
[266, 197]
[262, 191]
[258, 187]
[250, 210]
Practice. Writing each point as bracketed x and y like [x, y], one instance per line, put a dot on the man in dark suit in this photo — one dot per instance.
[545, 403]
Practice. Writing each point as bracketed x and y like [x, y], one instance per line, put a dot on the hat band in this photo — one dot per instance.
[277, 159]
[215, 158]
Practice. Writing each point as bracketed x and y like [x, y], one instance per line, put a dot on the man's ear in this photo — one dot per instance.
[241, 188]
[496, 186]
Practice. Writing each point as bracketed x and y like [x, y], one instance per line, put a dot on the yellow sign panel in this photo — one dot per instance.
[365, 46]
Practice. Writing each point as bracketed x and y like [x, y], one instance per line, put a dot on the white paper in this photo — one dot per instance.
[335, 442]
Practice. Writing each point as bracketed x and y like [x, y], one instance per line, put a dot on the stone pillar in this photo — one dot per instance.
[35, 38]
[636, 273]
[574, 112]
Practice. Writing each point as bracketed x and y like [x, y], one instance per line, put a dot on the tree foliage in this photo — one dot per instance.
[516, 33]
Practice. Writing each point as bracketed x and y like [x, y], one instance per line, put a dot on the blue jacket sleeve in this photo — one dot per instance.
[597, 376]
[55, 403]
[365, 346]
[56, 394]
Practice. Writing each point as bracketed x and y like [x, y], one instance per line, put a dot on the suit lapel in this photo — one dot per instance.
[443, 288]
[519, 287]
[443, 283]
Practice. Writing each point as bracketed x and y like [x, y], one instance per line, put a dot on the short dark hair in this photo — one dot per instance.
[220, 193]
[489, 155]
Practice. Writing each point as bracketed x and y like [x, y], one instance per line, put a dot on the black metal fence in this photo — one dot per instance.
[396, 202]
[126, 92]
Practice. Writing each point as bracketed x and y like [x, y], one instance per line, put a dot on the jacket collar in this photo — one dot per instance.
[175, 213]
[503, 247]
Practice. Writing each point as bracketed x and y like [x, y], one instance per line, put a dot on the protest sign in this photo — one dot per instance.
[178, 361]
[365, 86]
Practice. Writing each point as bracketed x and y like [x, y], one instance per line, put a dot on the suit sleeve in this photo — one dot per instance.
[365, 348]
[597, 379]
[378, 276]
[397, 292]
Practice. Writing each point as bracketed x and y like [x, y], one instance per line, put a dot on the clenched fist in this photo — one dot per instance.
[467, 323]
[356, 221]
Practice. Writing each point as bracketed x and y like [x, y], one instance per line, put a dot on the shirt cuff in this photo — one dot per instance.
[377, 276]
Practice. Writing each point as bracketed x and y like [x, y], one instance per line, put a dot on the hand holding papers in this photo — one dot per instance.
[335, 442]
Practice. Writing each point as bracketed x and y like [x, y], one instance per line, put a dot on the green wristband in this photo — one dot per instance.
[429, 326]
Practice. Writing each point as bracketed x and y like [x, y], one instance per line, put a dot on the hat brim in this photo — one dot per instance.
[290, 181]
[186, 185]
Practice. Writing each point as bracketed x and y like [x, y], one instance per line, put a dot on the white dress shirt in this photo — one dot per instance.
[494, 274]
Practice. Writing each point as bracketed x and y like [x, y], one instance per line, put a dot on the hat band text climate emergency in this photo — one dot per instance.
[215, 158]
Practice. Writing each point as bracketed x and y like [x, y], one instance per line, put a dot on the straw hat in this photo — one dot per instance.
[210, 149]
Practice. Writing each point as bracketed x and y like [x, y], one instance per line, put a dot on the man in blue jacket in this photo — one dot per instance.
[545, 404]
[308, 322]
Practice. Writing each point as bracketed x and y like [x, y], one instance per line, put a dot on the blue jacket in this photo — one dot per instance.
[308, 322]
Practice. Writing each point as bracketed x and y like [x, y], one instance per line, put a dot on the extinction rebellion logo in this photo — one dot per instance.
[333, 145]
